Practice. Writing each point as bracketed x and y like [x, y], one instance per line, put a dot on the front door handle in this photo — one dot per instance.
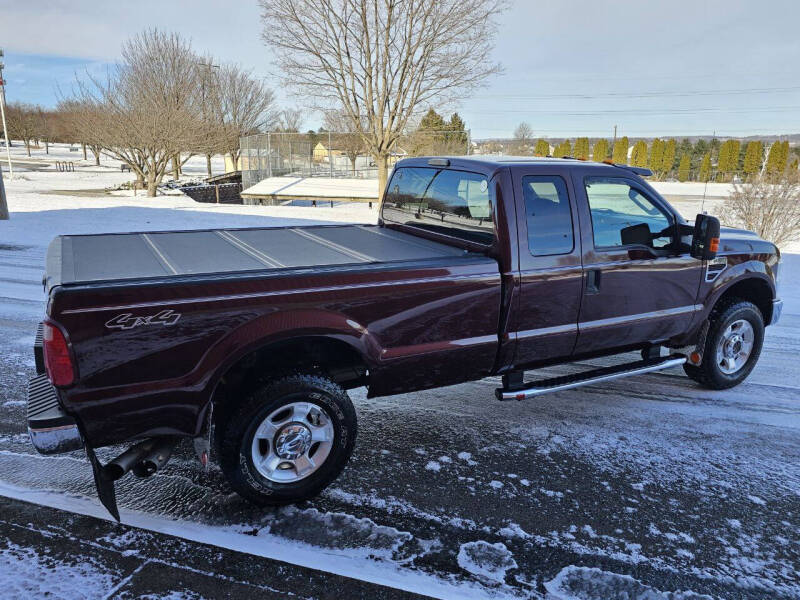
[593, 281]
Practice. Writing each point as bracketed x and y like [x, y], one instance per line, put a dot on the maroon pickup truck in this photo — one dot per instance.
[245, 340]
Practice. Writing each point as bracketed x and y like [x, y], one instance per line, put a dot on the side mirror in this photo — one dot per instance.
[705, 239]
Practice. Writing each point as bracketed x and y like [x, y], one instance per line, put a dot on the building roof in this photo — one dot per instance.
[314, 187]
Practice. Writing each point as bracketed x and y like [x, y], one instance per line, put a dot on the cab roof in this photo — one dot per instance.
[488, 163]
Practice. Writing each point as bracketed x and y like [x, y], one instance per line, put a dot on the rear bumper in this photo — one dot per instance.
[777, 309]
[52, 430]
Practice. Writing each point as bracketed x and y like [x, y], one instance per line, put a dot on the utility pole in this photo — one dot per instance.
[615, 138]
[5, 127]
[3, 203]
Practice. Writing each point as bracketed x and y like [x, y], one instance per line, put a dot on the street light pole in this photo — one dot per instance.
[3, 115]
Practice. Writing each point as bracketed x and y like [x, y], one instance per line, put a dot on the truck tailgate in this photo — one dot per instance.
[74, 259]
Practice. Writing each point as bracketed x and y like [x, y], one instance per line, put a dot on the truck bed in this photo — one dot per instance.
[81, 259]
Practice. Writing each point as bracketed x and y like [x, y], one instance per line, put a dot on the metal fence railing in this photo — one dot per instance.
[335, 154]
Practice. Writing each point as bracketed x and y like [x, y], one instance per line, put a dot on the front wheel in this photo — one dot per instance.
[732, 348]
[288, 440]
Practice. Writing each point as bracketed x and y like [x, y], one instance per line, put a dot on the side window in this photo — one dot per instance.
[455, 203]
[548, 215]
[623, 216]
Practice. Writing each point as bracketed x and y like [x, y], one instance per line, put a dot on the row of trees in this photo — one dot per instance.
[165, 103]
[701, 160]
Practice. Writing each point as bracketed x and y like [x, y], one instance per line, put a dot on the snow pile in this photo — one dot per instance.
[584, 583]
[488, 562]
[26, 574]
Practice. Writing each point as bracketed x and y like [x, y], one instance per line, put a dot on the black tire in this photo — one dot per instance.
[709, 374]
[236, 458]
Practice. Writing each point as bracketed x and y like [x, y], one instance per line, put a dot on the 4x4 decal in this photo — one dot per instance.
[128, 321]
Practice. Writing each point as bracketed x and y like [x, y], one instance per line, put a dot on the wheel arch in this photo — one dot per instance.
[335, 356]
[751, 287]
[318, 341]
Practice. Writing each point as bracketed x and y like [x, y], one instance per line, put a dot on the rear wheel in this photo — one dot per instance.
[732, 347]
[288, 440]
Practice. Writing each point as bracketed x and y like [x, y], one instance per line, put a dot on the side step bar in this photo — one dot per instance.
[567, 382]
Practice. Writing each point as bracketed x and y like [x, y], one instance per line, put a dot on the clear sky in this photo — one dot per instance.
[572, 67]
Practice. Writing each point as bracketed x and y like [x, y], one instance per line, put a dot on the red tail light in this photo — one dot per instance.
[57, 359]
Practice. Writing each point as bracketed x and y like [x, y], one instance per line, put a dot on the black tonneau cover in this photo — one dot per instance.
[75, 259]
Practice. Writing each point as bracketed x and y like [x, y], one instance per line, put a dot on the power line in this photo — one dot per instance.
[653, 94]
[646, 111]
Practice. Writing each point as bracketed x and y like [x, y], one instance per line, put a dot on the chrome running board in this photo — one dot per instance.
[567, 382]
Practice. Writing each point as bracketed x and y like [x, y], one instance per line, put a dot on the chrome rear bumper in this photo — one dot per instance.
[52, 431]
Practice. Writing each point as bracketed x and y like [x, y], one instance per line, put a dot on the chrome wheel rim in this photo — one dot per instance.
[735, 346]
[292, 442]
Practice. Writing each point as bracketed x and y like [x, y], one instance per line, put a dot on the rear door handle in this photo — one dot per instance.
[593, 281]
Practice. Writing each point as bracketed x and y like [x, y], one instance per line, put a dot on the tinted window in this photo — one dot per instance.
[548, 214]
[622, 216]
[454, 203]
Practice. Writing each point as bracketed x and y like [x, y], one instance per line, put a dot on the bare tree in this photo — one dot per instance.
[383, 60]
[23, 123]
[73, 120]
[290, 120]
[148, 110]
[344, 136]
[46, 128]
[768, 205]
[523, 137]
[246, 106]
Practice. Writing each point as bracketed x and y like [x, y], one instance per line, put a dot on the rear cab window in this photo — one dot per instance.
[548, 215]
[448, 202]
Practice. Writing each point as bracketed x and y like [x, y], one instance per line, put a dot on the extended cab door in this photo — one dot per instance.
[550, 265]
[637, 287]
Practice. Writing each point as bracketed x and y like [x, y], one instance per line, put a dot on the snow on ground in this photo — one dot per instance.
[582, 583]
[642, 488]
[40, 576]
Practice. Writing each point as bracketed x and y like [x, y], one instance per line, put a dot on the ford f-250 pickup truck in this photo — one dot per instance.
[477, 267]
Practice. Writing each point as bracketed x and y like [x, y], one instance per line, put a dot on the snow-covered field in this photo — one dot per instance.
[646, 488]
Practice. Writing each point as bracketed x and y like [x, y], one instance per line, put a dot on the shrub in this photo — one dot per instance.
[768, 205]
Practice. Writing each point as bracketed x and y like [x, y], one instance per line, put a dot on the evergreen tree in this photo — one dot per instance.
[432, 121]
[728, 160]
[668, 162]
[639, 154]
[683, 168]
[686, 148]
[581, 149]
[753, 157]
[563, 149]
[542, 148]
[457, 131]
[699, 150]
[705, 167]
[777, 157]
[656, 158]
[620, 155]
[600, 150]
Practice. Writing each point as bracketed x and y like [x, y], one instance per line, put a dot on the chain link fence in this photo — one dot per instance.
[335, 154]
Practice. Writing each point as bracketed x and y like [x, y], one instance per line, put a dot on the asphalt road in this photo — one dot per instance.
[648, 485]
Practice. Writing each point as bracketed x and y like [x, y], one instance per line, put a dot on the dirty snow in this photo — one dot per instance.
[485, 560]
[582, 583]
[41, 576]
